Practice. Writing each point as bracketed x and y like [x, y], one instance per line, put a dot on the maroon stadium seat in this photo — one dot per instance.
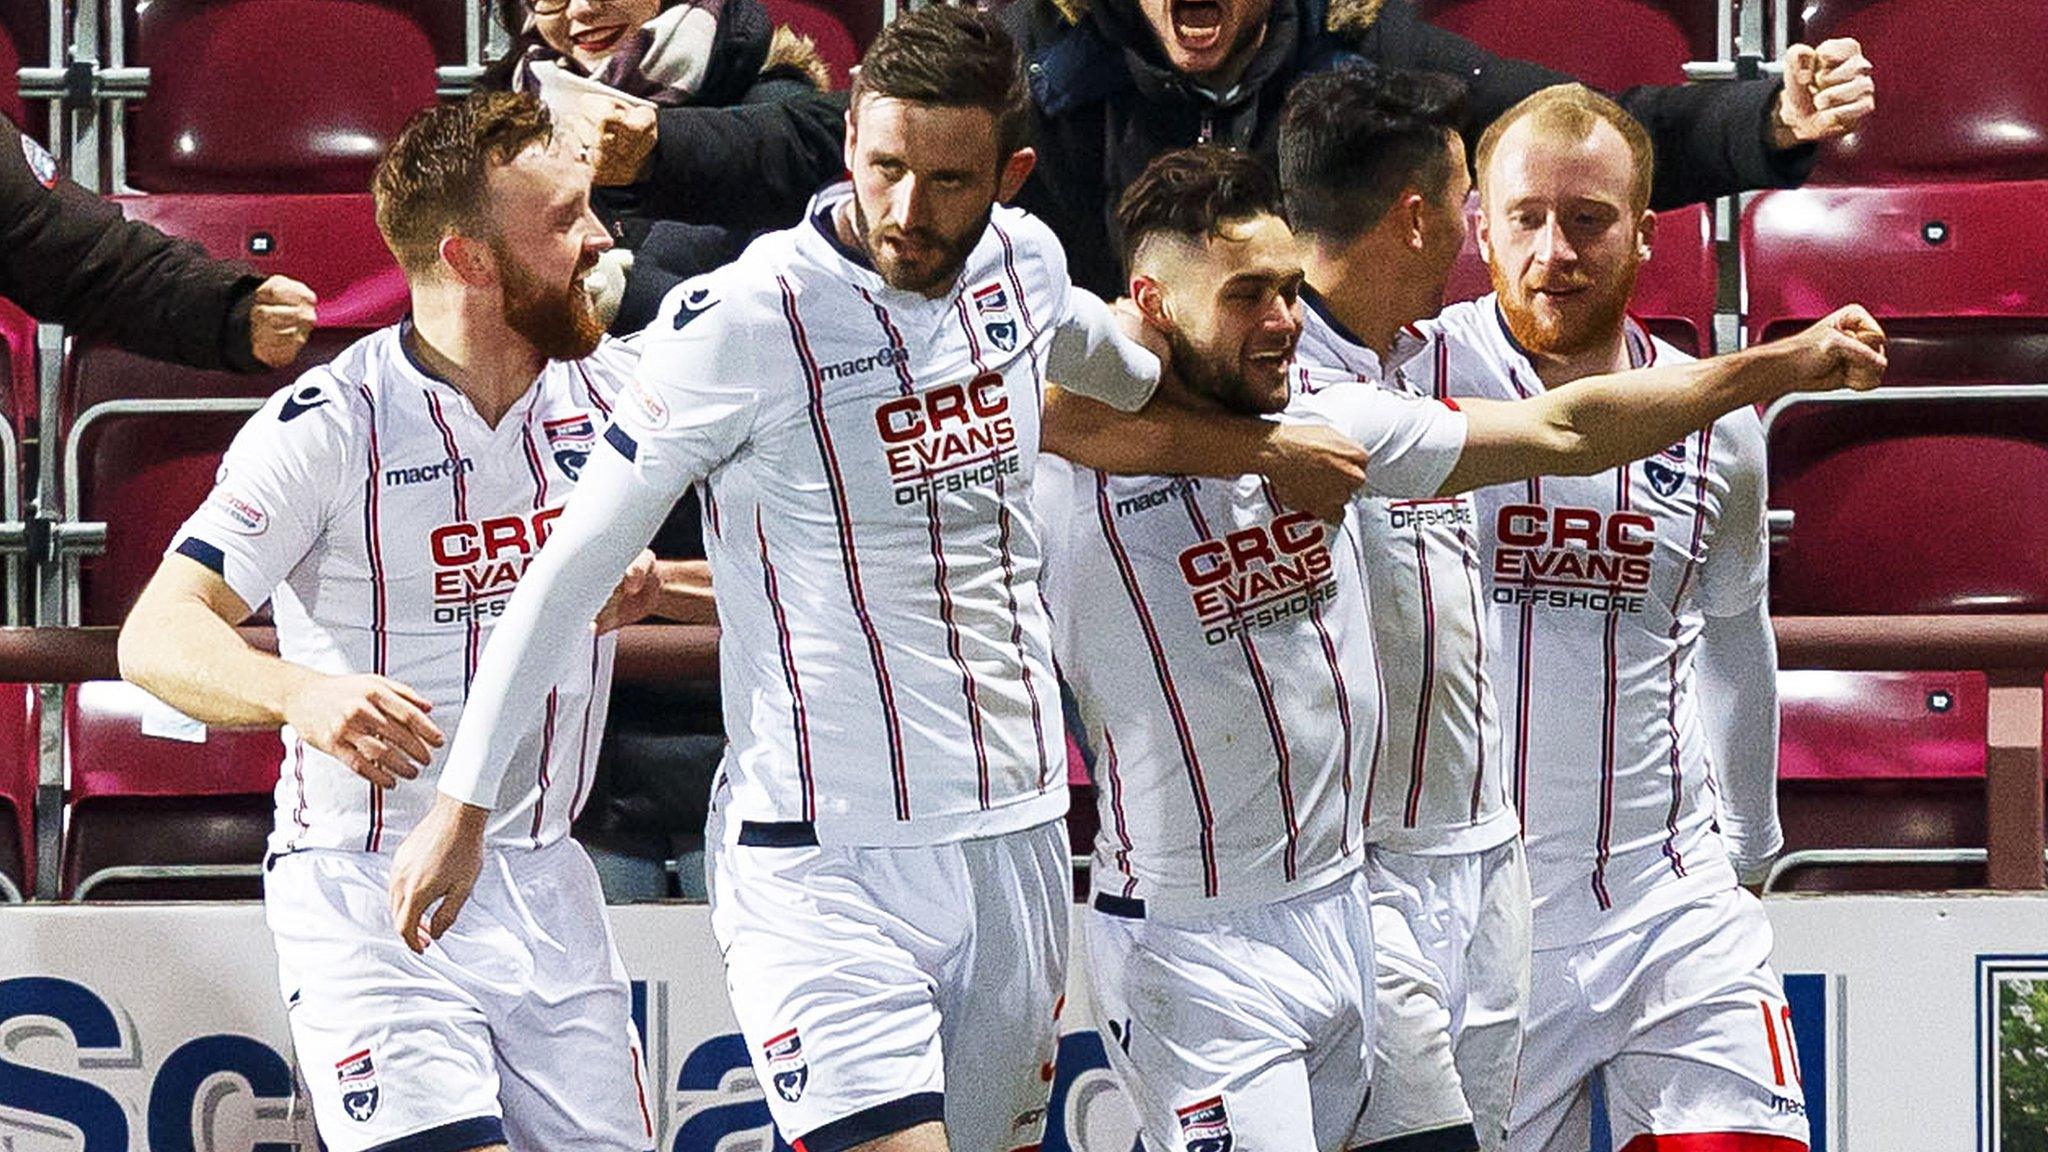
[1923, 506]
[830, 26]
[24, 43]
[18, 380]
[273, 95]
[140, 800]
[1610, 44]
[1961, 255]
[1986, 121]
[1903, 504]
[143, 467]
[1882, 760]
[1674, 292]
[19, 741]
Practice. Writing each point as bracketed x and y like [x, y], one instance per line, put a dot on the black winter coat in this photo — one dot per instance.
[1105, 103]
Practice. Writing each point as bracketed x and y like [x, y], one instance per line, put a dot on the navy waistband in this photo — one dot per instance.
[778, 834]
[1124, 907]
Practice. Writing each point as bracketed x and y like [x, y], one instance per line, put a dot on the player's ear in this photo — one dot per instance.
[1014, 172]
[1480, 234]
[1150, 297]
[468, 260]
[1646, 234]
[1413, 209]
[846, 150]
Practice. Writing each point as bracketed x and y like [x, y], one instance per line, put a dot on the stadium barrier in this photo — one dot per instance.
[159, 1027]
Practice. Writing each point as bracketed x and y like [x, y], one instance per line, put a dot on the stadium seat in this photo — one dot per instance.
[832, 27]
[1959, 256]
[1882, 760]
[1905, 501]
[1610, 44]
[1987, 121]
[20, 739]
[1910, 505]
[273, 95]
[1674, 292]
[142, 440]
[24, 43]
[139, 799]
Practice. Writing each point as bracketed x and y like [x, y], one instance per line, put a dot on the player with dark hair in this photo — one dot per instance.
[862, 398]
[1219, 645]
[384, 506]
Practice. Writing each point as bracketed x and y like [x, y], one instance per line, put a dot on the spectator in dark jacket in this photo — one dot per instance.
[68, 257]
[1116, 82]
[742, 131]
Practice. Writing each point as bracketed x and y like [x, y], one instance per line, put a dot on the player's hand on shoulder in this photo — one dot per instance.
[436, 868]
[1845, 350]
[637, 597]
[375, 725]
[1315, 468]
[1828, 93]
[282, 315]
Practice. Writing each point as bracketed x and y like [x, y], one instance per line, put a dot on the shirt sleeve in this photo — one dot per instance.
[1736, 574]
[275, 488]
[690, 405]
[1092, 357]
[1411, 444]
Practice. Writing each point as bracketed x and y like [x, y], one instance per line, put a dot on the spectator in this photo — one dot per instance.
[68, 257]
[742, 134]
[1116, 82]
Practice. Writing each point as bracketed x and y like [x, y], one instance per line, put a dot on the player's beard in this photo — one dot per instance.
[1211, 376]
[952, 252]
[558, 320]
[1592, 319]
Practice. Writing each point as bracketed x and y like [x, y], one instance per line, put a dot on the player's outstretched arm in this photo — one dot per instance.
[1601, 422]
[603, 528]
[179, 644]
[1313, 468]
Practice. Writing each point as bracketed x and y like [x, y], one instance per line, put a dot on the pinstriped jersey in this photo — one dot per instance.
[387, 525]
[1599, 586]
[1440, 789]
[1218, 645]
[868, 456]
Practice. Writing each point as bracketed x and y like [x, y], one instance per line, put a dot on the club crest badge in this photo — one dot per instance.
[992, 304]
[1664, 479]
[786, 1067]
[570, 439]
[1205, 1127]
[359, 1095]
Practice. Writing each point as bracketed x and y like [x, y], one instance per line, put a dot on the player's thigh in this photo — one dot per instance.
[390, 1046]
[570, 1064]
[1207, 1061]
[840, 1014]
[1718, 1055]
[1415, 1085]
[1000, 1000]
[1488, 1048]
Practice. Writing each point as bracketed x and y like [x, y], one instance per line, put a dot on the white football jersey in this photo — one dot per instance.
[1441, 789]
[867, 456]
[1599, 586]
[387, 525]
[1218, 646]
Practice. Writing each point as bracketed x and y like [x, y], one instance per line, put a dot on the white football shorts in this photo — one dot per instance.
[883, 988]
[1452, 938]
[1240, 1031]
[515, 1027]
[1684, 1021]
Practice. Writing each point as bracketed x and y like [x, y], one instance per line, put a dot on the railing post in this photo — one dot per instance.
[2012, 820]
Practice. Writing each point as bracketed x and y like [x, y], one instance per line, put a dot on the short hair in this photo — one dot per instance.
[952, 58]
[1352, 140]
[1572, 112]
[1192, 193]
[433, 180]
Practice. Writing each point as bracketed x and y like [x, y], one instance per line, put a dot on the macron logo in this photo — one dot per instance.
[399, 477]
[888, 357]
